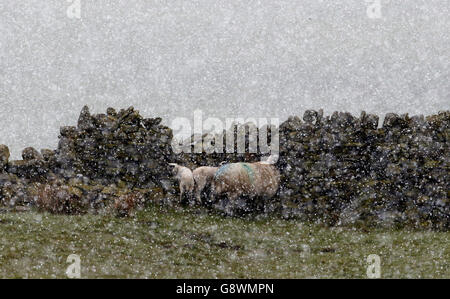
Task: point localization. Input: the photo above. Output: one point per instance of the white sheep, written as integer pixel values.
(185, 179)
(252, 179)
(203, 177)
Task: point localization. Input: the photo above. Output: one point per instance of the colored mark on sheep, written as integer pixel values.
(249, 171)
(221, 170)
(246, 166)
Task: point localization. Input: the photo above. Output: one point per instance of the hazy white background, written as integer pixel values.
(229, 58)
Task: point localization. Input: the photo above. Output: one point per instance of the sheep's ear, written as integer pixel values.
(173, 164)
(272, 159)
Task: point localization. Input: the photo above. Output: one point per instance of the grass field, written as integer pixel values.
(190, 243)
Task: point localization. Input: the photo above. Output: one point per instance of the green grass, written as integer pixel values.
(189, 243)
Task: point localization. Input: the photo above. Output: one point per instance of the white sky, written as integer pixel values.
(228, 58)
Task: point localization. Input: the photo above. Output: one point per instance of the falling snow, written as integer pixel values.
(361, 93)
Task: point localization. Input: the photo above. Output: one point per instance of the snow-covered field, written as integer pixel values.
(190, 243)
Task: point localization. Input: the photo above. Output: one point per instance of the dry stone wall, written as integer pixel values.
(336, 169)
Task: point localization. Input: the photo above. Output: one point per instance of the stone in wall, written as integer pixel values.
(4, 157)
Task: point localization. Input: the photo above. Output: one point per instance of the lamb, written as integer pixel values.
(185, 179)
(203, 177)
(252, 179)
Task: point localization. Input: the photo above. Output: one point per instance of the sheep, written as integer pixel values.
(203, 177)
(185, 179)
(252, 179)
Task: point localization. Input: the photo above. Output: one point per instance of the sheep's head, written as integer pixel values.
(272, 159)
(174, 168)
